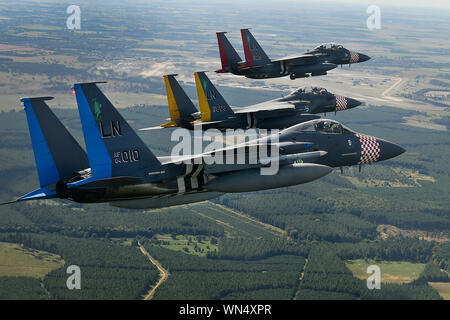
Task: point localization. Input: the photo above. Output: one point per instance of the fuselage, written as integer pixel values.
(301, 105)
(282, 68)
(337, 54)
(314, 62)
(188, 182)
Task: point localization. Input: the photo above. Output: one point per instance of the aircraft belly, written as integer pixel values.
(271, 70)
(165, 201)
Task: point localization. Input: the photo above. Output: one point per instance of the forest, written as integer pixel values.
(257, 234)
(203, 278)
(327, 277)
(109, 271)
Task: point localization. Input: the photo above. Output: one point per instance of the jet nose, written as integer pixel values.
(363, 57)
(352, 103)
(389, 150)
(356, 57)
(342, 103)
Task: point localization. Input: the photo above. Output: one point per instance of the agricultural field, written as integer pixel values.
(200, 246)
(443, 288)
(391, 271)
(17, 261)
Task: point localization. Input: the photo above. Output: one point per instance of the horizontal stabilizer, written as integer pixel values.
(39, 194)
(171, 124)
(111, 182)
(37, 99)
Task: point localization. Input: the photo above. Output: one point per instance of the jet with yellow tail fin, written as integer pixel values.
(182, 110)
(301, 105)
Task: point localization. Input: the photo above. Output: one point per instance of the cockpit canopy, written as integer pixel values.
(323, 126)
(328, 126)
(330, 46)
(310, 90)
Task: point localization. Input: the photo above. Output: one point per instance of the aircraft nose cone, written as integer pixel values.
(363, 57)
(389, 150)
(343, 103)
(352, 103)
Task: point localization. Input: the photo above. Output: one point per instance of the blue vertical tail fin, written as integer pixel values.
(57, 154)
(113, 147)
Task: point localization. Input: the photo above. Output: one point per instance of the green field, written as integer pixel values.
(16, 261)
(443, 288)
(234, 224)
(391, 271)
(193, 245)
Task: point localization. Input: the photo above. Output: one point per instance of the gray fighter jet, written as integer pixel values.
(299, 106)
(258, 65)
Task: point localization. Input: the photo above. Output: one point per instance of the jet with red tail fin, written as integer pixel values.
(258, 65)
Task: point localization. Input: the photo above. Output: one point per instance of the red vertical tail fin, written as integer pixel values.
(254, 54)
(228, 55)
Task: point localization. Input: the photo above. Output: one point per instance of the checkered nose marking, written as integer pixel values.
(341, 103)
(370, 149)
(354, 57)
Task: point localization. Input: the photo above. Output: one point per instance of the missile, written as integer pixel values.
(294, 157)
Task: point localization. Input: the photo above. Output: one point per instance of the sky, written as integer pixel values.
(406, 3)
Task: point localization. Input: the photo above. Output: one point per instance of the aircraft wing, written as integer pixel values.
(199, 122)
(245, 67)
(267, 106)
(200, 158)
(304, 59)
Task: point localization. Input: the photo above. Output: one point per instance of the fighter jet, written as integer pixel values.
(347, 149)
(299, 106)
(120, 169)
(321, 141)
(258, 65)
